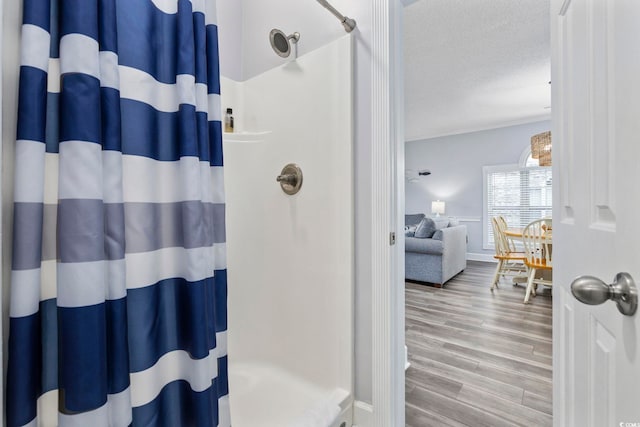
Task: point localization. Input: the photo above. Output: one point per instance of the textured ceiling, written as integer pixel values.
(475, 64)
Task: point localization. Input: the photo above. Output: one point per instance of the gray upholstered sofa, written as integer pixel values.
(435, 248)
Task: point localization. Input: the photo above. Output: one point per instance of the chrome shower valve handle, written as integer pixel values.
(290, 179)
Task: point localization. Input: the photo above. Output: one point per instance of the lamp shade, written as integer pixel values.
(541, 148)
(437, 207)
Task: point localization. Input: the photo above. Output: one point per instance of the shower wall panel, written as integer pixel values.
(291, 258)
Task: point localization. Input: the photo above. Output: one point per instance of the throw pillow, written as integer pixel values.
(425, 229)
(453, 222)
(410, 230)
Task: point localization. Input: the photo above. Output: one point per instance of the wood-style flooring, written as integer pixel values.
(477, 358)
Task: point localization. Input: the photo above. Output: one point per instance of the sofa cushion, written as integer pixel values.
(441, 222)
(425, 229)
(453, 222)
(413, 219)
(427, 246)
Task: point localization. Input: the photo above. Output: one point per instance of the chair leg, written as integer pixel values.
(496, 276)
(532, 275)
(534, 291)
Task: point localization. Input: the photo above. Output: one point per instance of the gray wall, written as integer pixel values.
(456, 163)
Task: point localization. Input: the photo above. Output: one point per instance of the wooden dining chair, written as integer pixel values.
(511, 244)
(510, 262)
(502, 222)
(538, 248)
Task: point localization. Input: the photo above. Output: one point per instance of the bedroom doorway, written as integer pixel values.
(476, 91)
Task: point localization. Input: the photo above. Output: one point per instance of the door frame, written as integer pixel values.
(387, 210)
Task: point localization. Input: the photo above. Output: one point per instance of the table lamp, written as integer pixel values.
(437, 208)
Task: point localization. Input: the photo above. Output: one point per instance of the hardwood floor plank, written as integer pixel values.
(525, 328)
(453, 335)
(520, 333)
(415, 337)
(488, 385)
(506, 409)
(499, 320)
(512, 362)
(538, 402)
(480, 347)
(477, 357)
(511, 335)
(431, 380)
(484, 311)
(424, 317)
(490, 322)
(534, 384)
(454, 409)
(419, 417)
(438, 354)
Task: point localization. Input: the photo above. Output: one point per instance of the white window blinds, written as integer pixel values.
(520, 195)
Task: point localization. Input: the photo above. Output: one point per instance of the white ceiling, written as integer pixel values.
(475, 64)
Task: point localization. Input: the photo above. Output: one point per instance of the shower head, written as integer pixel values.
(280, 42)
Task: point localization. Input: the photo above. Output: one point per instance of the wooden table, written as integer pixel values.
(516, 234)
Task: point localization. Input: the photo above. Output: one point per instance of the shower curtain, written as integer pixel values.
(118, 289)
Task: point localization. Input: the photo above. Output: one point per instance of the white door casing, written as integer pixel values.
(387, 174)
(596, 168)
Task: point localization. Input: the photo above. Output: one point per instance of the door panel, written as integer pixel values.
(596, 158)
(601, 106)
(603, 380)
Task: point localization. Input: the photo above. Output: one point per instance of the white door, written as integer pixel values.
(596, 160)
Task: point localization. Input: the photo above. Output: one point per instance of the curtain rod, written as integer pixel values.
(348, 23)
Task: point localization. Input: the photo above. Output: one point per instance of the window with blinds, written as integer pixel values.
(520, 195)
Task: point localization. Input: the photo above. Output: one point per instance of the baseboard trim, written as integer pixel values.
(480, 257)
(362, 414)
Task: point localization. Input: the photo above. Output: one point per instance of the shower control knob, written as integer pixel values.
(290, 178)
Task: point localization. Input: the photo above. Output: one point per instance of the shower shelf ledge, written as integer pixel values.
(245, 136)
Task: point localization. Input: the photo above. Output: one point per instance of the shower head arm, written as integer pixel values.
(348, 23)
(294, 37)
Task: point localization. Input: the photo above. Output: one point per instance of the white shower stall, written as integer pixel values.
(291, 257)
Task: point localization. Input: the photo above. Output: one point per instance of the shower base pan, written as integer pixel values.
(263, 395)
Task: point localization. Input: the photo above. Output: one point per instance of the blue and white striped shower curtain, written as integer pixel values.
(118, 293)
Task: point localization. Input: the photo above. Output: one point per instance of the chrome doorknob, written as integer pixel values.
(593, 291)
